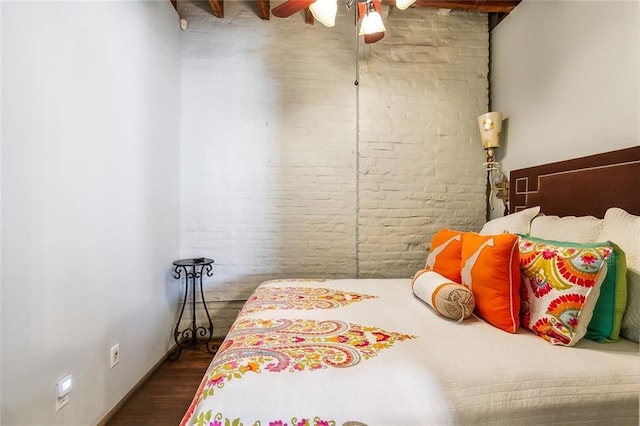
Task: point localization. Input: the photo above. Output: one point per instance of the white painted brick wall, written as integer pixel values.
(290, 170)
(425, 84)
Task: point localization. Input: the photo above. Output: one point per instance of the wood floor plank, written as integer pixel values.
(165, 396)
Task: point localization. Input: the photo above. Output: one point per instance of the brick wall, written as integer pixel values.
(420, 158)
(290, 170)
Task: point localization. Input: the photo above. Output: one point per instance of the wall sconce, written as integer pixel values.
(501, 189)
(490, 125)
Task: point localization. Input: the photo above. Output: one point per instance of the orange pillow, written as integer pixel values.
(490, 268)
(445, 254)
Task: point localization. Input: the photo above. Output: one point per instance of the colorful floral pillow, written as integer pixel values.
(560, 287)
(490, 270)
(445, 254)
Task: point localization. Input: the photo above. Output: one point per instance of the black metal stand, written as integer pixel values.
(191, 336)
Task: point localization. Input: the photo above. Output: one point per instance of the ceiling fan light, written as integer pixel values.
(403, 4)
(325, 11)
(372, 23)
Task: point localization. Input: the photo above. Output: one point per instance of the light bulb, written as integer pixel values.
(403, 4)
(325, 11)
(372, 21)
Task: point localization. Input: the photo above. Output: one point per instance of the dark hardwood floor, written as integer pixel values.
(165, 396)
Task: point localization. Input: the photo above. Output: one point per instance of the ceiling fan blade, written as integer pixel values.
(290, 7)
(373, 38)
(362, 9)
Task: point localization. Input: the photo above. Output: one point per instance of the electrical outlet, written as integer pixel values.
(115, 354)
(63, 387)
(61, 402)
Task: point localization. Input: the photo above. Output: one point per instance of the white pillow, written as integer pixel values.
(581, 229)
(514, 223)
(449, 299)
(623, 229)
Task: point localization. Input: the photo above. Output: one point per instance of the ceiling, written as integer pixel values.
(497, 8)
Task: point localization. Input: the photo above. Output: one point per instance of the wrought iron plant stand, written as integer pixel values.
(193, 270)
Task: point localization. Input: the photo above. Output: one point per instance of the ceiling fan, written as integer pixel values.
(369, 12)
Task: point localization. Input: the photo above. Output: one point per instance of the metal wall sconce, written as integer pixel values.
(502, 192)
(490, 126)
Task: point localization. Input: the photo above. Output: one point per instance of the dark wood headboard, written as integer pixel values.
(581, 186)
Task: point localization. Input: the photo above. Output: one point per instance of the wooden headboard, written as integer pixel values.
(580, 187)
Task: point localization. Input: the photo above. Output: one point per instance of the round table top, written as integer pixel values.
(194, 261)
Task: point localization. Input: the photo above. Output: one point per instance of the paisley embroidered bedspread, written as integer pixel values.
(367, 352)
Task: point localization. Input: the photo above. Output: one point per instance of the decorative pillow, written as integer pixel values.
(490, 270)
(449, 299)
(581, 229)
(623, 229)
(612, 301)
(561, 284)
(514, 223)
(445, 254)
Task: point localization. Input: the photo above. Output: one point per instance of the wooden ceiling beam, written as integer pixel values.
(264, 9)
(217, 8)
(488, 6)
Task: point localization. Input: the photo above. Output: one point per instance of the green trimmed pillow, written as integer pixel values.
(561, 284)
(612, 301)
(623, 229)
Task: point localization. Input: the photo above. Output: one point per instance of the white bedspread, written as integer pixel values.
(369, 351)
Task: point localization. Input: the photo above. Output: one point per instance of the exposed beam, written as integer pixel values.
(217, 8)
(264, 9)
(488, 6)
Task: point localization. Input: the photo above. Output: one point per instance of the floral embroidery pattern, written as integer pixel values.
(204, 419)
(296, 280)
(539, 284)
(267, 298)
(557, 282)
(257, 345)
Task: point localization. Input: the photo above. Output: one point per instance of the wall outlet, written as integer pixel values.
(114, 355)
(63, 387)
(61, 401)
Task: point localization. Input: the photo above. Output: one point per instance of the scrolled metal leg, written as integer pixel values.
(185, 335)
(204, 304)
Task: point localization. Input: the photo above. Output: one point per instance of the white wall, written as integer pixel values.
(90, 201)
(566, 75)
(0, 208)
(289, 170)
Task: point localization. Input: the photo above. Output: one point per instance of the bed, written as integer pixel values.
(372, 352)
